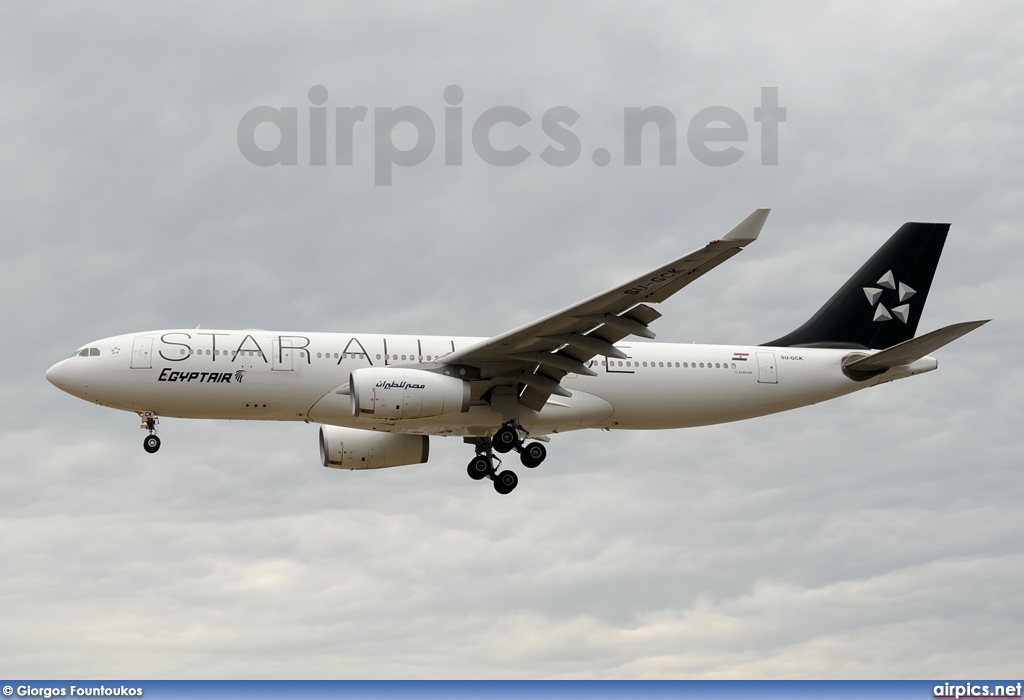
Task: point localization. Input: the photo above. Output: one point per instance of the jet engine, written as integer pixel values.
(349, 448)
(387, 393)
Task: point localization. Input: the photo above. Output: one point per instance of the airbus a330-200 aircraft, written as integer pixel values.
(378, 398)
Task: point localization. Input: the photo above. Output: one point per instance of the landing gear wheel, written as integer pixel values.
(505, 482)
(505, 439)
(479, 468)
(533, 454)
(151, 444)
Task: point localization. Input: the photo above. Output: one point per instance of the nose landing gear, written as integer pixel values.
(151, 443)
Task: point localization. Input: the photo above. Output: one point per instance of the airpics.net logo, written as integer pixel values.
(971, 690)
(715, 135)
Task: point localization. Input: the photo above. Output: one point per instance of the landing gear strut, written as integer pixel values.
(508, 437)
(151, 443)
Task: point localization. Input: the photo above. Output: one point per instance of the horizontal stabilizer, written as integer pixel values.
(914, 349)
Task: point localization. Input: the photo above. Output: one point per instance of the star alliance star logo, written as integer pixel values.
(904, 292)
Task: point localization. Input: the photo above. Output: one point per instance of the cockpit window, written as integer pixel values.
(87, 352)
(84, 353)
(94, 352)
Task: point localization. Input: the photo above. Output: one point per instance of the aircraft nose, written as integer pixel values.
(57, 375)
(71, 377)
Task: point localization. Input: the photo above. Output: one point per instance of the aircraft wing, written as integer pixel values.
(535, 357)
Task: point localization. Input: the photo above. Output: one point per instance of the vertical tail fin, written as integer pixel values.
(881, 304)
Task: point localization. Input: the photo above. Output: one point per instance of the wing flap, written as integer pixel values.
(558, 361)
(643, 313)
(533, 398)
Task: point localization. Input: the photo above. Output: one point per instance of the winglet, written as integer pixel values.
(747, 230)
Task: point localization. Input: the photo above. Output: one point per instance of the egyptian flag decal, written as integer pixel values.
(740, 356)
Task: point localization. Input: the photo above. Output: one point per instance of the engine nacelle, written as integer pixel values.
(392, 393)
(349, 448)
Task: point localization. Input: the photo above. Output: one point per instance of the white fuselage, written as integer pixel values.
(263, 375)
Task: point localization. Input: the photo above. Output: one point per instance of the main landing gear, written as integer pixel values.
(482, 466)
(507, 438)
(151, 443)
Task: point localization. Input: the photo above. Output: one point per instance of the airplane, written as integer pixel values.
(379, 398)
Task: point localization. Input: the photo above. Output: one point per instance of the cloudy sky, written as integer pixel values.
(879, 535)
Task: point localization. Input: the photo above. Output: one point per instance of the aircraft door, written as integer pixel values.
(766, 373)
(142, 353)
(282, 356)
